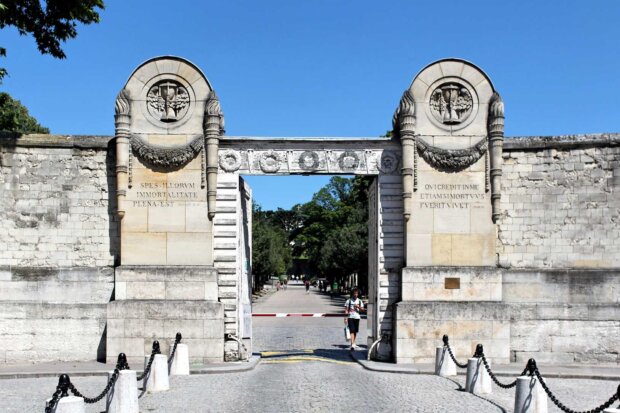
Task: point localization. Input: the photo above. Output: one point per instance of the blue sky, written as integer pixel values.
(332, 68)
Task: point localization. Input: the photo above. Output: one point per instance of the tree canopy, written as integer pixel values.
(329, 233)
(50, 22)
(14, 117)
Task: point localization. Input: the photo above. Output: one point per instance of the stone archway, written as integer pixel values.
(378, 157)
(435, 203)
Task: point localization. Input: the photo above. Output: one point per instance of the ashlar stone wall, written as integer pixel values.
(560, 202)
(55, 205)
(58, 246)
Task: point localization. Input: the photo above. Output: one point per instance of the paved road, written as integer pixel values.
(301, 333)
(306, 370)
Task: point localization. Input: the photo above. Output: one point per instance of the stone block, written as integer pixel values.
(143, 248)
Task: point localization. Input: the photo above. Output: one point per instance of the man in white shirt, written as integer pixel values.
(352, 308)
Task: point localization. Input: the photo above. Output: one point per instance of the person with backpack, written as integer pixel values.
(352, 308)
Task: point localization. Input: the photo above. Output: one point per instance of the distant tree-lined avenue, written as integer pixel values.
(326, 237)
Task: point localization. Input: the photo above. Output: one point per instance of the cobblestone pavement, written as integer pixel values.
(297, 333)
(308, 373)
(304, 386)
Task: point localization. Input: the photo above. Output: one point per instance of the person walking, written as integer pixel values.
(307, 287)
(352, 308)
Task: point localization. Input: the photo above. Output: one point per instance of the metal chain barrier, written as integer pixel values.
(62, 390)
(65, 385)
(177, 340)
(533, 370)
(447, 346)
(480, 354)
(147, 370)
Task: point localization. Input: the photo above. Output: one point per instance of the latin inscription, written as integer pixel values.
(450, 196)
(164, 194)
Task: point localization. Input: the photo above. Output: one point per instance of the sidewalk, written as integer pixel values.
(576, 371)
(93, 368)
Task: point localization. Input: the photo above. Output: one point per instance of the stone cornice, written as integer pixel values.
(516, 143)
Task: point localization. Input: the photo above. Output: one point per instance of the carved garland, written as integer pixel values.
(451, 160)
(166, 157)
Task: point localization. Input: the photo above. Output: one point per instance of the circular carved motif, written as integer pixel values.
(168, 101)
(451, 103)
(388, 162)
(348, 160)
(270, 162)
(309, 160)
(230, 161)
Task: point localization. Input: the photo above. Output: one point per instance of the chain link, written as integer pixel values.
(495, 379)
(147, 370)
(534, 370)
(51, 406)
(105, 391)
(177, 340)
(447, 346)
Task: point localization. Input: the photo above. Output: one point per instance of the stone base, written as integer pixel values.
(420, 327)
(133, 325)
(452, 284)
(510, 332)
(165, 282)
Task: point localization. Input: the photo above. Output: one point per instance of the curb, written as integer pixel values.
(234, 367)
(410, 369)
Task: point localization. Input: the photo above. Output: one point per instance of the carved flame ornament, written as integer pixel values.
(166, 157)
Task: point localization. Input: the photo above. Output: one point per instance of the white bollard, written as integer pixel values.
(530, 397)
(157, 379)
(478, 380)
(123, 397)
(180, 362)
(444, 366)
(69, 404)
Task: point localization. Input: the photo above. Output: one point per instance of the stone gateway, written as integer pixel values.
(508, 241)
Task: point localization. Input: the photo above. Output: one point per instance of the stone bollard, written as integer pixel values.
(478, 380)
(123, 397)
(69, 404)
(180, 362)
(444, 366)
(157, 379)
(530, 397)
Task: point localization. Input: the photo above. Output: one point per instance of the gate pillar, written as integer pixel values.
(450, 123)
(168, 123)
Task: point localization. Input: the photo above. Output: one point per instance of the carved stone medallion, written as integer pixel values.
(309, 161)
(167, 101)
(270, 162)
(388, 163)
(230, 161)
(348, 160)
(451, 103)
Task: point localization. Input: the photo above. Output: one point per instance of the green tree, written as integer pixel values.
(271, 252)
(50, 22)
(14, 117)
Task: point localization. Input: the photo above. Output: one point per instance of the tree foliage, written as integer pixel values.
(330, 232)
(50, 22)
(14, 117)
(271, 252)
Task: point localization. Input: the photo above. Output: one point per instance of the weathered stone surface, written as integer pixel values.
(142, 321)
(559, 209)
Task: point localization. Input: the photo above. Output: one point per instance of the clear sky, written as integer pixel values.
(332, 68)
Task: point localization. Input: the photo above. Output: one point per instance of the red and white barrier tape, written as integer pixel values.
(315, 315)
